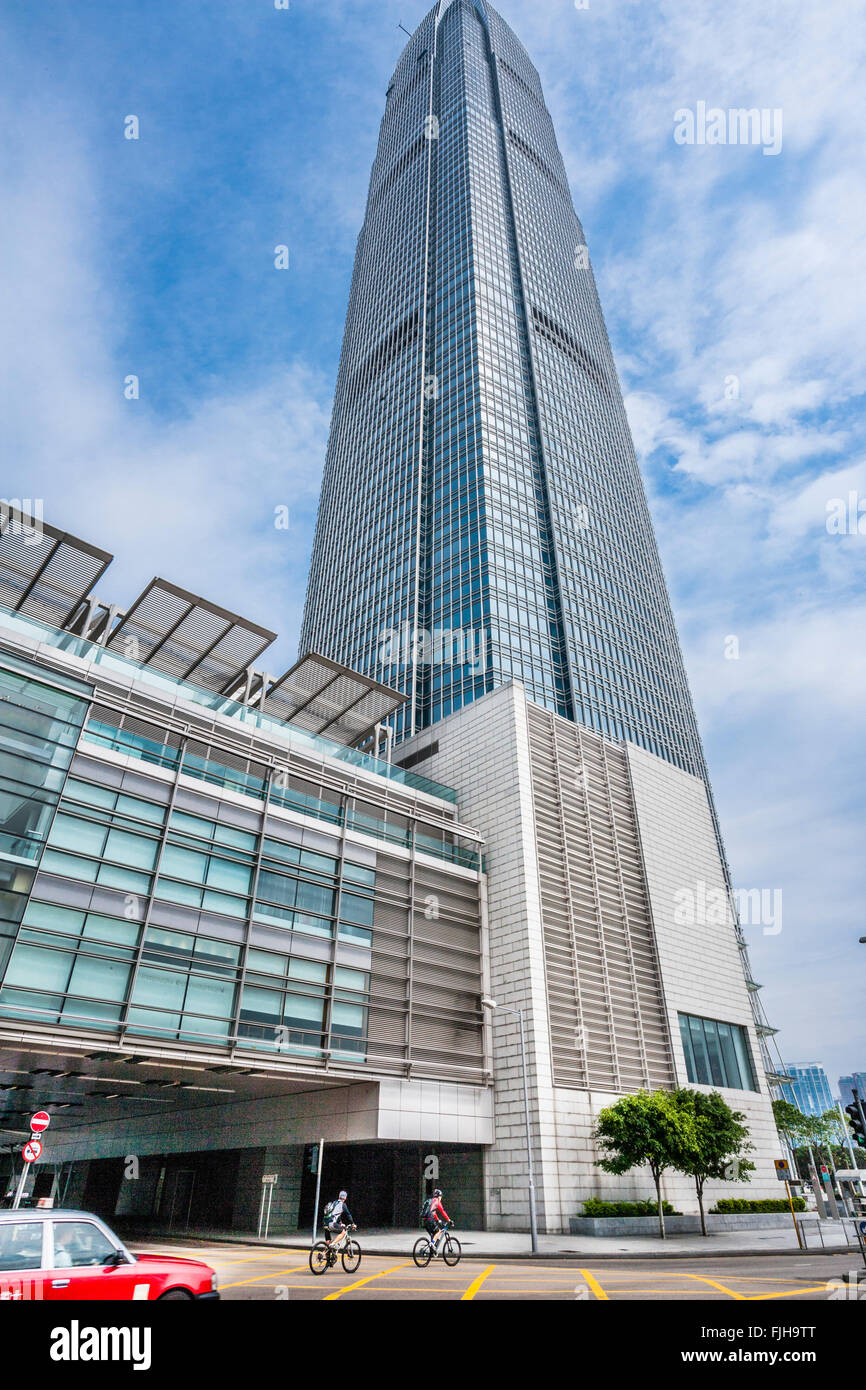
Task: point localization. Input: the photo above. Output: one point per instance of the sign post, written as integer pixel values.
(269, 1182)
(30, 1153)
(318, 1188)
(783, 1173)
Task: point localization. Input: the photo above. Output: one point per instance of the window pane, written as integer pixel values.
(184, 893)
(221, 902)
(261, 1005)
(78, 1244)
(359, 875)
(312, 970)
(702, 1065)
(142, 810)
(21, 1246)
(99, 979)
(36, 968)
(83, 836)
(206, 996)
(114, 877)
(164, 987)
(357, 909)
(53, 918)
(94, 796)
(714, 1053)
(729, 1058)
(277, 888)
(314, 898)
(267, 963)
(69, 865)
(303, 1010)
(111, 929)
(240, 839)
(133, 850)
(223, 873)
(193, 825)
(184, 863)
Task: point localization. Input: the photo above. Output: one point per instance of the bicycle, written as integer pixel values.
(324, 1256)
(448, 1246)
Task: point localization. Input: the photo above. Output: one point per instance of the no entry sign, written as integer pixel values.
(32, 1150)
(39, 1122)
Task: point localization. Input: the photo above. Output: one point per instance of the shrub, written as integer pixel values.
(594, 1207)
(737, 1205)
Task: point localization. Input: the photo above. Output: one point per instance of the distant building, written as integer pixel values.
(848, 1084)
(810, 1089)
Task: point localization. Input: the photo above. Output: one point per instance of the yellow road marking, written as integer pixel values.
(787, 1293)
(595, 1285)
(476, 1283)
(370, 1277)
(256, 1277)
(712, 1283)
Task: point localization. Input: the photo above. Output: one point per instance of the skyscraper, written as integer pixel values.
(481, 477)
(483, 518)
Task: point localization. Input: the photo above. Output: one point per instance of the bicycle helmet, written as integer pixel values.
(343, 1196)
(437, 1192)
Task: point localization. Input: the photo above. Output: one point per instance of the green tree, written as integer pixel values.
(718, 1144)
(644, 1129)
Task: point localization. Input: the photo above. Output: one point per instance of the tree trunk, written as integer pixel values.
(658, 1183)
(700, 1190)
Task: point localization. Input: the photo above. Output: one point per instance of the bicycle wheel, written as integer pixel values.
(451, 1251)
(422, 1253)
(319, 1257)
(351, 1256)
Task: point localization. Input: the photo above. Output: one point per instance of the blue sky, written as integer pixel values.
(258, 127)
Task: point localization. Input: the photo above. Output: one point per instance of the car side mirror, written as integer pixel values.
(116, 1258)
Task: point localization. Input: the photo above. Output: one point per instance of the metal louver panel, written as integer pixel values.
(323, 697)
(607, 1019)
(45, 573)
(185, 636)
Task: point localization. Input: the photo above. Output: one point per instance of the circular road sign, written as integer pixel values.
(32, 1150)
(39, 1122)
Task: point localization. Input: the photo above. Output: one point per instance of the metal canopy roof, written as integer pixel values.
(188, 638)
(319, 695)
(45, 573)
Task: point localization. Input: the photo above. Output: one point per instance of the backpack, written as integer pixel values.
(331, 1211)
(426, 1209)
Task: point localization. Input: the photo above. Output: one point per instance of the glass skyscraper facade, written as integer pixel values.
(481, 489)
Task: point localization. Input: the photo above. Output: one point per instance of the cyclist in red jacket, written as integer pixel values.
(437, 1217)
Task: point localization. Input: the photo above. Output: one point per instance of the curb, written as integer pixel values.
(471, 1253)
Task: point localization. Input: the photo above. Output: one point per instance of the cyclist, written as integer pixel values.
(437, 1217)
(335, 1212)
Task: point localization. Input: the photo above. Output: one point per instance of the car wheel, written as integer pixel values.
(175, 1294)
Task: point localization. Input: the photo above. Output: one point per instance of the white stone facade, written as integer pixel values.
(484, 753)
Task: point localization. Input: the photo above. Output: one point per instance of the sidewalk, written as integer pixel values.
(505, 1245)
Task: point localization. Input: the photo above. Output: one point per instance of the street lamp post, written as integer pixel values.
(487, 1003)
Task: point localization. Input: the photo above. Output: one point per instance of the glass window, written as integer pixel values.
(114, 877)
(267, 963)
(86, 791)
(224, 873)
(53, 918)
(141, 810)
(716, 1054)
(35, 967)
(322, 863)
(80, 1243)
(314, 897)
(21, 1245)
(69, 865)
(358, 874)
(68, 832)
(275, 849)
(193, 825)
(239, 839)
(99, 979)
(207, 996)
(221, 902)
(360, 936)
(160, 987)
(357, 909)
(132, 850)
(261, 1005)
(313, 970)
(184, 863)
(110, 929)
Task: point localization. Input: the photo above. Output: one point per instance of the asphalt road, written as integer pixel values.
(252, 1272)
